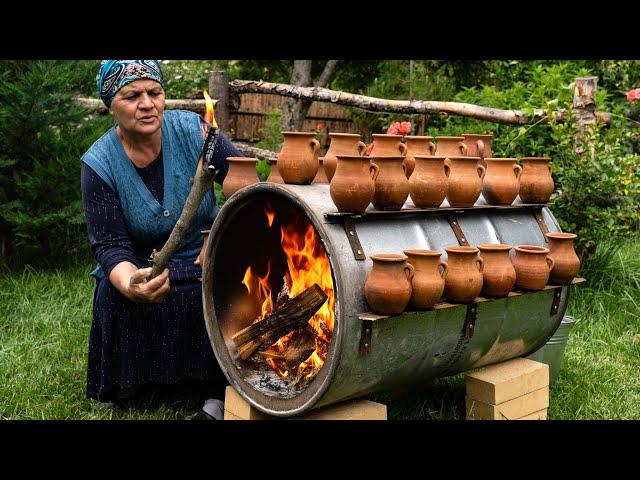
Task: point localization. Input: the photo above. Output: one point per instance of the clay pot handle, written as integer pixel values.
(432, 149)
(403, 149)
(480, 145)
(550, 171)
(445, 268)
(447, 167)
(481, 170)
(409, 271)
(480, 263)
(404, 169)
(550, 262)
(463, 148)
(374, 170)
(517, 169)
(315, 145)
(361, 148)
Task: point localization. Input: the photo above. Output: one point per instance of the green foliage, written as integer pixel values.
(188, 78)
(597, 196)
(43, 133)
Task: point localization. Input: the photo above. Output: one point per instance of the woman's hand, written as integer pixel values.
(148, 291)
(133, 283)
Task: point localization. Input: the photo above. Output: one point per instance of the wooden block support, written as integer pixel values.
(496, 384)
(509, 410)
(236, 408)
(539, 415)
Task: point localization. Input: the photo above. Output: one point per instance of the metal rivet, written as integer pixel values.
(454, 223)
(367, 331)
(351, 232)
(166, 213)
(359, 252)
(462, 238)
(366, 344)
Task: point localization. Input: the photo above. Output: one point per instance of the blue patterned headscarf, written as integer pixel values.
(115, 74)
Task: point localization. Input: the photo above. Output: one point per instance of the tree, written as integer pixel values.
(295, 111)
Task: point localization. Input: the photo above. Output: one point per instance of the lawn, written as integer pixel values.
(45, 316)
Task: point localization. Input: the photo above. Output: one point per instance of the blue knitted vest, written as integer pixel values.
(144, 216)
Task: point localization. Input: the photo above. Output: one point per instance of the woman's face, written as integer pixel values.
(138, 107)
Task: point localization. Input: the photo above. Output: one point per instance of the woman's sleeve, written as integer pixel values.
(108, 235)
(224, 149)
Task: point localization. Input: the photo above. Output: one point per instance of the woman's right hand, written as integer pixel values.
(148, 291)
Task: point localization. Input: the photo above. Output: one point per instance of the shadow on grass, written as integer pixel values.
(441, 399)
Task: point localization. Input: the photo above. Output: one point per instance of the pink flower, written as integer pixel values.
(404, 128)
(319, 126)
(393, 128)
(368, 150)
(633, 95)
(399, 128)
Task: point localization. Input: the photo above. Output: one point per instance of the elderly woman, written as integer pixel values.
(135, 180)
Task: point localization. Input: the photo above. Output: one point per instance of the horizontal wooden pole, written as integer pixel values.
(373, 104)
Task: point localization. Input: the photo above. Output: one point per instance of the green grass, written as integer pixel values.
(45, 318)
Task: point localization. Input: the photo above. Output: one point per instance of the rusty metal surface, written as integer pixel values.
(405, 349)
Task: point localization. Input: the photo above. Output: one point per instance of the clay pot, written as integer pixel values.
(464, 274)
(417, 145)
(428, 279)
(274, 175)
(298, 158)
(392, 186)
(388, 287)
(478, 146)
(385, 145)
(498, 275)
(501, 181)
(353, 185)
(321, 176)
(242, 173)
(532, 267)
(536, 182)
(429, 181)
(200, 258)
(565, 261)
(465, 180)
(341, 144)
(450, 146)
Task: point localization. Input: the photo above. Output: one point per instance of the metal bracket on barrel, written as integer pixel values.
(354, 241)
(541, 223)
(457, 231)
(555, 304)
(470, 320)
(367, 320)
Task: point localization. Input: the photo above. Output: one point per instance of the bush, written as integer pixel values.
(43, 133)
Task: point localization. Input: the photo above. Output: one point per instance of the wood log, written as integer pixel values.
(219, 87)
(373, 104)
(584, 107)
(295, 311)
(256, 152)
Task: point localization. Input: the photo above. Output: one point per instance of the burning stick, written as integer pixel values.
(293, 313)
(203, 182)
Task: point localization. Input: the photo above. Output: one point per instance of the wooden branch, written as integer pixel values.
(203, 182)
(294, 311)
(197, 106)
(327, 73)
(256, 152)
(373, 104)
(584, 107)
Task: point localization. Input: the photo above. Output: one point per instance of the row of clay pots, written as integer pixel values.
(420, 278)
(381, 180)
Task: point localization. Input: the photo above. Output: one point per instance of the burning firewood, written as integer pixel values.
(293, 313)
(301, 346)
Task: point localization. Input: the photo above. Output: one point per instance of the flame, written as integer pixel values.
(209, 116)
(307, 263)
(270, 215)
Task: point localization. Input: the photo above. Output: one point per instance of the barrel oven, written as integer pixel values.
(270, 241)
